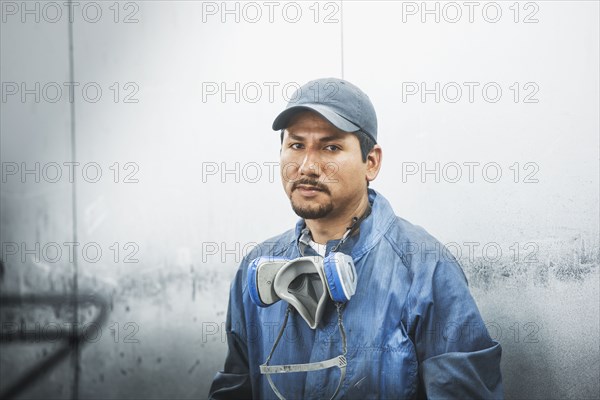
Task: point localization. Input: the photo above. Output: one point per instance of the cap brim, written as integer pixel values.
(334, 118)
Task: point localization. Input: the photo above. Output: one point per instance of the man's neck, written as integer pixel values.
(324, 229)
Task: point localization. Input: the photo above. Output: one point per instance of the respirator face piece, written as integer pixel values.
(305, 282)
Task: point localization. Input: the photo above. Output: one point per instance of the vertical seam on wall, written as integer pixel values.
(342, 35)
(2, 260)
(75, 358)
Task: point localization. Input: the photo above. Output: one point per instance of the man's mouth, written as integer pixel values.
(308, 190)
(308, 187)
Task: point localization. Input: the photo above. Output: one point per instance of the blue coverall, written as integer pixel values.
(413, 329)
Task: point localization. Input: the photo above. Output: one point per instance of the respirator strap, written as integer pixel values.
(339, 361)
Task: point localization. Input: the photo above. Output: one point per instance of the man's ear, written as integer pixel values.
(374, 159)
(281, 141)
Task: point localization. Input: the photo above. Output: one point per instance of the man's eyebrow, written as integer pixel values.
(330, 138)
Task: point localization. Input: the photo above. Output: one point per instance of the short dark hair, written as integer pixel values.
(366, 143)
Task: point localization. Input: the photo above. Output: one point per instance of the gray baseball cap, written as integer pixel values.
(338, 101)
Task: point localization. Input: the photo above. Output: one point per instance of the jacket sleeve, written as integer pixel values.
(457, 357)
(233, 382)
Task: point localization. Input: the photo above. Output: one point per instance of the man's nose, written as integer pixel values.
(310, 164)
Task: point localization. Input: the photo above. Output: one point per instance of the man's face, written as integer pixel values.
(321, 167)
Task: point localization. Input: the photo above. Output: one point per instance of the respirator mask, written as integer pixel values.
(305, 283)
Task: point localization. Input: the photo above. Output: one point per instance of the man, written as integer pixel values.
(411, 329)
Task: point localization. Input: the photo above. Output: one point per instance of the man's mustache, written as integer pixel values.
(309, 182)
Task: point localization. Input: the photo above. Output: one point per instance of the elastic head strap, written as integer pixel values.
(339, 361)
(355, 223)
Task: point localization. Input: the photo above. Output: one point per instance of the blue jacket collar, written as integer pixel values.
(370, 231)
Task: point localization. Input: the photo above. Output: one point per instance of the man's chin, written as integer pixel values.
(311, 211)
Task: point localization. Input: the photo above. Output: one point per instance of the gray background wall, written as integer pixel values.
(173, 223)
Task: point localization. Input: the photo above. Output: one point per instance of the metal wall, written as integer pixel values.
(138, 166)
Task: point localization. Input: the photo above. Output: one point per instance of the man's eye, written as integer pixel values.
(296, 145)
(332, 147)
